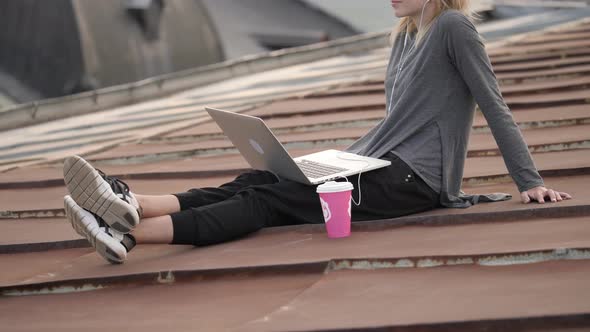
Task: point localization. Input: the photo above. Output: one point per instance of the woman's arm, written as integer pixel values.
(467, 53)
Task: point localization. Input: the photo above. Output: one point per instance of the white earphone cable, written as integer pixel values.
(339, 156)
(402, 58)
(399, 69)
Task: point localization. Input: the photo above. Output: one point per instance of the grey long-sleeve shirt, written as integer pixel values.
(432, 108)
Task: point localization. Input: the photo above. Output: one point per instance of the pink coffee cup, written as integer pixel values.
(335, 199)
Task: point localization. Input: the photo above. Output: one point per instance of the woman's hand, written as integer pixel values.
(540, 193)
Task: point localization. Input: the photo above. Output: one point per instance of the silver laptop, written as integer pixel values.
(259, 146)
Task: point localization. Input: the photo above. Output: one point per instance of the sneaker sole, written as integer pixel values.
(91, 192)
(85, 224)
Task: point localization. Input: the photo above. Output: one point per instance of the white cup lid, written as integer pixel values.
(334, 187)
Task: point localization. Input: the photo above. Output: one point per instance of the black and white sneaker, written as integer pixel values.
(107, 197)
(110, 244)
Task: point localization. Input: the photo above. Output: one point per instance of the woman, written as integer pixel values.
(438, 70)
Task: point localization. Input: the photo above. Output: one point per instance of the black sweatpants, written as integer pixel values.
(258, 199)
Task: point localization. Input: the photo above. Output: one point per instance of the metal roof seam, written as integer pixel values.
(496, 260)
(519, 215)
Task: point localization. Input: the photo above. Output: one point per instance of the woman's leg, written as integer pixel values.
(156, 206)
(156, 223)
(162, 205)
(386, 193)
(390, 192)
(104, 211)
(155, 230)
(198, 197)
(250, 209)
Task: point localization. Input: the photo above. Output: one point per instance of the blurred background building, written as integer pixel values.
(60, 47)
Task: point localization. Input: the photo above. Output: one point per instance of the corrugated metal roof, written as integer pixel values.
(502, 266)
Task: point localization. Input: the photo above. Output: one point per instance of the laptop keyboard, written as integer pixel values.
(313, 169)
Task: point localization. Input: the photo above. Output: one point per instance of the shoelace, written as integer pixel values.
(119, 187)
(128, 240)
(101, 222)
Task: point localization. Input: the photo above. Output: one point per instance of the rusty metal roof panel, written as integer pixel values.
(446, 294)
(292, 302)
(478, 168)
(387, 240)
(504, 265)
(490, 182)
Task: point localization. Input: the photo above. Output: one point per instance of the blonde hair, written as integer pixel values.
(406, 24)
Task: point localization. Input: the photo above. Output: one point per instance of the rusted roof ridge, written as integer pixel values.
(45, 213)
(525, 125)
(320, 111)
(536, 148)
(217, 148)
(184, 138)
(309, 125)
(342, 140)
(578, 25)
(467, 218)
(560, 115)
(128, 176)
(577, 80)
(327, 266)
(199, 174)
(488, 259)
(569, 97)
(522, 49)
(552, 63)
(367, 102)
(281, 126)
(480, 144)
(71, 133)
(556, 323)
(506, 86)
(19, 248)
(223, 146)
(311, 146)
(159, 277)
(569, 83)
(505, 59)
(531, 214)
(546, 173)
(545, 74)
(581, 26)
(13, 154)
(544, 118)
(343, 92)
(348, 130)
(550, 37)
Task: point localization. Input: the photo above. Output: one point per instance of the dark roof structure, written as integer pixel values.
(501, 266)
(255, 26)
(63, 47)
(58, 47)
